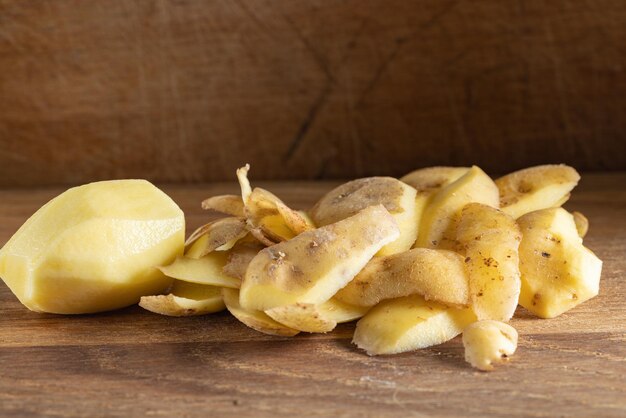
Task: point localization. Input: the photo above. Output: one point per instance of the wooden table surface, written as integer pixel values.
(135, 363)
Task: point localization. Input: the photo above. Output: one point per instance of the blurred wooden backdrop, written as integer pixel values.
(187, 90)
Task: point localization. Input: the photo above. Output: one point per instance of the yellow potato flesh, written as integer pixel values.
(93, 248)
(407, 324)
(438, 225)
(207, 270)
(185, 299)
(314, 265)
(558, 272)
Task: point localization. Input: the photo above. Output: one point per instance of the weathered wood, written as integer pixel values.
(134, 363)
(189, 90)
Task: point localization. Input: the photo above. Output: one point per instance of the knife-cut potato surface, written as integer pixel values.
(437, 228)
(407, 324)
(257, 320)
(488, 342)
(207, 270)
(535, 188)
(185, 299)
(437, 275)
(558, 272)
(219, 235)
(94, 247)
(349, 198)
(490, 240)
(314, 265)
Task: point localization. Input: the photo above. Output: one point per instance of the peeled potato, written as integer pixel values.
(407, 324)
(490, 240)
(185, 299)
(93, 248)
(535, 188)
(268, 218)
(316, 318)
(314, 265)
(257, 320)
(228, 204)
(558, 272)
(207, 270)
(437, 275)
(488, 342)
(349, 198)
(219, 235)
(438, 225)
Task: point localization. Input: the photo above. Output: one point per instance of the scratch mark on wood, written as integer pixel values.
(307, 122)
(400, 42)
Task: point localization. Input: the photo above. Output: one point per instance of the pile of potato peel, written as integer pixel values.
(417, 260)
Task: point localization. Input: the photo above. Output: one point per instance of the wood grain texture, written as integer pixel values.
(185, 90)
(134, 363)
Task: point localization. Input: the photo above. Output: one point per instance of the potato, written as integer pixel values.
(207, 270)
(219, 235)
(239, 258)
(314, 265)
(431, 179)
(535, 188)
(268, 218)
(228, 204)
(558, 272)
(427, 181)
(316, 318)
(582, 223)
(93, 248)
(437, 275)
(305, 317)
(185, 299)
(349, 198)
(490, 240)
(488, 342)
(257, 320)
(438, 225)
(407, 324)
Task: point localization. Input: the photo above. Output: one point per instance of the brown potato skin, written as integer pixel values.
(437, 275)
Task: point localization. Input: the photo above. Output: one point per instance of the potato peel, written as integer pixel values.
(269, 219)
(254, 319)
(228, 204)
(185, 299)
(220, 235)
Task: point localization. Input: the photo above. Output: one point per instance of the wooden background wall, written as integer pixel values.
(175, 90)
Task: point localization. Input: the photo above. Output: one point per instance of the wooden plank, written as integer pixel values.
(189, 90)
(134, 363)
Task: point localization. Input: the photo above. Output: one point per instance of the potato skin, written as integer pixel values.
(313, 266)
(438, 275)
(488, 342)
(490, 239)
